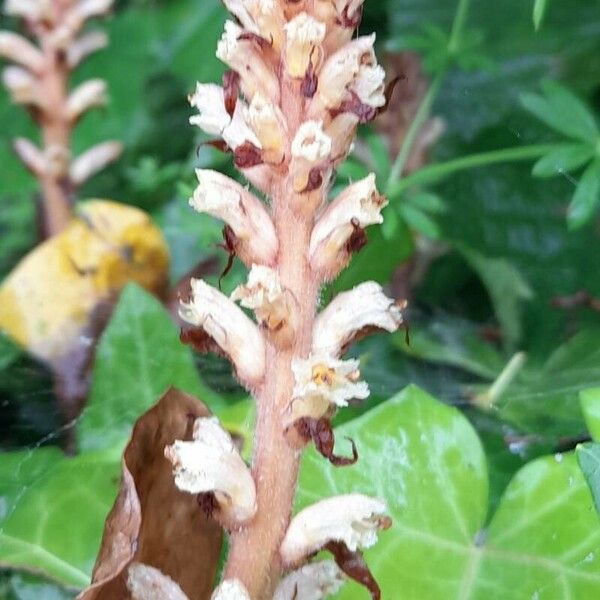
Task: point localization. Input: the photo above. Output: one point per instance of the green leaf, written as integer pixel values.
(561, 110)
(9, 352)
(590, 406)
(543, 541)
(419, 221)
(138, 358)
(452, 341)
(54, 510)
(30, 587)
(587, 197)
(507, 289)
(539, 10)
(588, 456)
(564, 159)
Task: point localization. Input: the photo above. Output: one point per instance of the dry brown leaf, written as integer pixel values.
(152, 522)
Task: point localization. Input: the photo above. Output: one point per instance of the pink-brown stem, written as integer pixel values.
(254, 558)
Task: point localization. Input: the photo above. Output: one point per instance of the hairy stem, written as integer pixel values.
(253, 557)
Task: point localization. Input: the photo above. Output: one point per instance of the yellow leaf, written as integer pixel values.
(46, 300)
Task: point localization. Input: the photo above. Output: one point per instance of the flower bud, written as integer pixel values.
(331, 242)
(147, 583)
(20, 50)
(352, 519)
(224, 198)
(350, 314)
(211, 464)
(89, 94)
(22, 86)
(265, 295)
(244, 54)
(31, 156)
(231, 589)
(236, 335)
(94, 160)
(304, 35)
(87, 44)
(311, 149)
(314, 581)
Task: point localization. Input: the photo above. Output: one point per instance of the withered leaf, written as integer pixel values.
(152, 522)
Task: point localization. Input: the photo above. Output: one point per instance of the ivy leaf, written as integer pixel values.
(53, 511)
(562, 111)
(587, 197)
(543, 542)
(588, 456)
(564, 159)
(539, 10)
(139, 356)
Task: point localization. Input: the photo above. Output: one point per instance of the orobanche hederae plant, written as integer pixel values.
(299, 84)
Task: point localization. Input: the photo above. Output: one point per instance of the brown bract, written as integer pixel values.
(152, 522)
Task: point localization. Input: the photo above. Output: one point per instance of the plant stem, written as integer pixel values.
(433, 173)
(253, 557)
(425, 107)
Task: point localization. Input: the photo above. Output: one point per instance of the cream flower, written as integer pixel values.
(313, 581)
(341, 69)
(242, 55)
(212, 464)
(264, 294)
(364, 307)
(348, 7)
(93, 160)
(303, 34)
(311, 143)
(261, 17)
(266, 121)
(334, 381)
(20, 50)
(359, 205)
(31, 156)
(238, 132)
(209, 99)
(88, 95)
(33, 10)
(23, 86)
(147, 583)
(353, 519)
(86, 44)
(231, 589)
(229, 327)
(227, 200)
(369, 85)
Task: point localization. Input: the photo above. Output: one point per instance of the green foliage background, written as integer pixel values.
(488, 499)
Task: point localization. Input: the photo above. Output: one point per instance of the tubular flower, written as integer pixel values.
(311, 149)
(23, 87)
(244, 213)
(264, 294)
(352, 519)
(323, 381)
(20, 50)
(211, 464)
(260, 17)
(267, 123)
(147, 583)
(304, 34)
(350, 314)
(243, 53)
(342, 68)
(313, 581)
(89, 94)
(339, 228)
(231, 589)
(235, 334)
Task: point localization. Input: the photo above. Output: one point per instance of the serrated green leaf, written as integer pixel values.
(138, 358)
(588, 457)
(587, 197)
(543, 541)
(539, 10)
(53, 523)
(564, 159)
(590, 406)
(561, 110)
